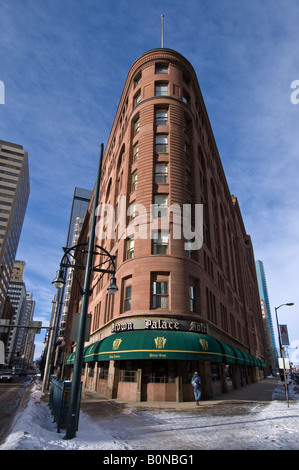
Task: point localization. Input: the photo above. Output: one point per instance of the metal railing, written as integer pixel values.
(59, 401)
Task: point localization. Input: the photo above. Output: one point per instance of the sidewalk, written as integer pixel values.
(100, 407)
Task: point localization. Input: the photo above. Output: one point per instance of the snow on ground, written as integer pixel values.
(273, 426)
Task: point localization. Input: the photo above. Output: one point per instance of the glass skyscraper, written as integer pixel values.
(263, 291)
(80, 204)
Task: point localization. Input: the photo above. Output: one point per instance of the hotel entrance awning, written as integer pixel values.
(183, 345)
(160, 344)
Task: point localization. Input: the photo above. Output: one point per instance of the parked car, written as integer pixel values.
(20, 372)
(6, 376)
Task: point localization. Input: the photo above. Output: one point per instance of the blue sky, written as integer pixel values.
(64, 64)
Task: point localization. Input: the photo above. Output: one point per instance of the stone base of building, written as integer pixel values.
(165, 380)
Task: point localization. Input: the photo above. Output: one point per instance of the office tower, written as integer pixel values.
(80, 204)
(20, 346)
(17, 294)
(185, 302)
(266, 311)
(28, 338)
(69, 278)
(14, 194)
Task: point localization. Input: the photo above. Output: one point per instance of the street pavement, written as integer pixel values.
(97, 406)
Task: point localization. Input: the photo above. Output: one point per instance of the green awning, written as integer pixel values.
(156, 344)
(159, 344)
(254, 361)
(90, 353)
(70, 359)
(263, 364)
(239, 356)
(260, 363)
(228, 353)
(248, 359)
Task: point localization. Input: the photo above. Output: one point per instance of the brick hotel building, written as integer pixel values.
(177, 309)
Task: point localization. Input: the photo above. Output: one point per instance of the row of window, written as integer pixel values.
(159, 295)
(161, 146)
(161, 89)
(161, 119)
(161, 175)
(161, 86)
(160, 245)
(160, 299)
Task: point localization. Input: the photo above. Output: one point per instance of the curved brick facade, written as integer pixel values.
(161, 149)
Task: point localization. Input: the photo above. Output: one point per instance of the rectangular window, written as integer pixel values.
(161, 89)
(161, 141)
(127, 298)
(135, 152)
(160, 243)
(136, 126)
(134, 180)
(160, 208)
(211, 306)
(191, 298)
(137, 98)
(161, 173)
(161, 117)
(131, 211)
(127, 375)
(186, 97)
(130, 248)
(160, 294)
(161, 68)
(104, 371)
(137, 79)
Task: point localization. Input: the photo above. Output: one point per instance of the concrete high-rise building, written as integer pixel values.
(17, 294)
(20, 345)
(266, 311)
(14, 194)
(28, 338)
(186, 302)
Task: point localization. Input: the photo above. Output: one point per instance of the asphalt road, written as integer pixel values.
(11, 395)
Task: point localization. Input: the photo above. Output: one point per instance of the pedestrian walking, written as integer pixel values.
(196, 384)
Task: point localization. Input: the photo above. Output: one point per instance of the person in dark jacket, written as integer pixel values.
(196, 384)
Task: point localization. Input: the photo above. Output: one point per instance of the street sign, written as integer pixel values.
(286, 363)
(75, 327)
(284, 335)
(35, 327)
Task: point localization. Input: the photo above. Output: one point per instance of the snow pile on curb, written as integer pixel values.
(259, 427)
(34, 429)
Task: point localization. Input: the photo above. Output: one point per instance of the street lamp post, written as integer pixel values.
(51, 341)
(280, 348)
(74, 404)
(53, 328)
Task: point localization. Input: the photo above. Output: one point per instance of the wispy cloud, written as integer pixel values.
(64, 65)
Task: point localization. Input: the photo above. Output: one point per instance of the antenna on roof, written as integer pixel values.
(162, 18)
